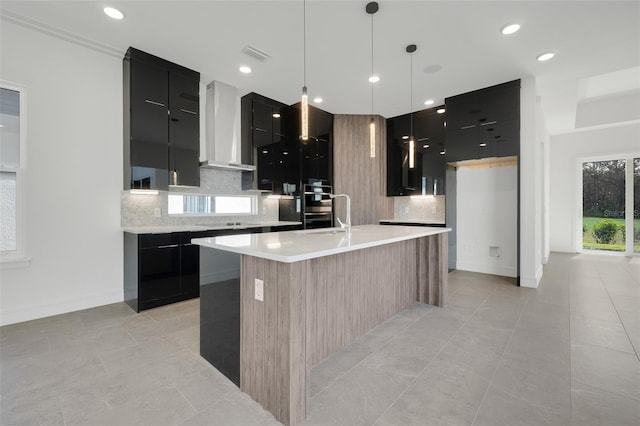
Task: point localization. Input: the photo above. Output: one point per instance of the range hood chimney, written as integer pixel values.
(223, 141)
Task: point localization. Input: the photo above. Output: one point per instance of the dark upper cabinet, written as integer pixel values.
(427, 175)
(484, 123)
(270, 133)
(264, 131)
(317, 152)
(161, 122)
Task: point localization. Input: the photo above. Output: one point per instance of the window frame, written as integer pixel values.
(18, 258)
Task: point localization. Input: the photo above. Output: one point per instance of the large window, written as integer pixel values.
(12, 162)
(610, 205)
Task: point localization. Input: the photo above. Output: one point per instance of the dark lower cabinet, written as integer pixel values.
(160, 269)
(220, 306)
(220, 326)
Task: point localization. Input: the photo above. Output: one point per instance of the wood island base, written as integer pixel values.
(314, 307)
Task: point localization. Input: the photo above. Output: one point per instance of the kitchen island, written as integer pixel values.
(320, 290)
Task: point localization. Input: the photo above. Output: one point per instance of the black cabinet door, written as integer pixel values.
(184, 143)
(462, 111)
(265, 167)
(503, 138)
(148, 109)
(288, 167)
(159, 271)
(149, 83)
(262, 124)
(462, 144)
(184, 93)
(189, 270)
(500, 103)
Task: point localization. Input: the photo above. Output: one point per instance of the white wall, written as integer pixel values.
(566, 150)
(532, 134)
(486, 215)
(73, 177)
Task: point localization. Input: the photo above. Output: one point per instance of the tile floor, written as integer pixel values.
(565, 353)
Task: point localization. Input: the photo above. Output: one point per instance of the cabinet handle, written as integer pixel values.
(188, 112)
(153, 102)
(488, 123)
(467, 127)
(168, 246)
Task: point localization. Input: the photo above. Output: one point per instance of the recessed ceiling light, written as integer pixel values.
(374, 79)
(276, 115)
(483, 144)
(545, 56)
(441, 111)
(428, 102)
(318, 100)
(425, 146)
(405, 137)
(442, 152)
(245, 69)
(432, 69)
(113, 13)
(510, 29)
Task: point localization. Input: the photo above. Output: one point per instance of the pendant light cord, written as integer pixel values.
(411, 94)
(304, 42)
(372, 63)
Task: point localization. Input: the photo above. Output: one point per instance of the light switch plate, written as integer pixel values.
(259, 291)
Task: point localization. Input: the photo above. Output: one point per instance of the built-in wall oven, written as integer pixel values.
(317, 205)
(313, 207)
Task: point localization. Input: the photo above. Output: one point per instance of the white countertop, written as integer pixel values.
(167, 229)
(421, 221)
(294, 246)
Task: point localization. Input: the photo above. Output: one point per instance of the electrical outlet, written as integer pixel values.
(157, 212)
(259, 292)
(406, 210)
(433, 210)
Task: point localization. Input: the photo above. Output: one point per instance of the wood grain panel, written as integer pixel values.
(356, 173)
(314, 307)
(432, 271)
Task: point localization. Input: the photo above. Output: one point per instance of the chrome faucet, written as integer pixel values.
(347, 225)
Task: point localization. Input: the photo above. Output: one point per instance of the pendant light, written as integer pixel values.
(412, 145)
(304, 104)
(372, 8)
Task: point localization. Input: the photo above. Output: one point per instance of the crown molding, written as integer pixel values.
(50, 30)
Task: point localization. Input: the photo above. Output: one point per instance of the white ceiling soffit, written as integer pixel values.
(460, 40)
(626, 80)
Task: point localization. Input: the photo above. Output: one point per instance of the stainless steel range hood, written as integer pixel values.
(223, 143)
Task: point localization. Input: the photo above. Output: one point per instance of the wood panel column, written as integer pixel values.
(433, 269)
(273, 367)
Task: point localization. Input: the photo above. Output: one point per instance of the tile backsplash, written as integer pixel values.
(139, 210)
(418, 208)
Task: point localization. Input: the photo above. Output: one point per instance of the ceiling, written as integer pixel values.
(590, 39)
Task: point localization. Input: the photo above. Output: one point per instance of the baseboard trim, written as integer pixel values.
(487, 269)
(532, 282)
(57, 307)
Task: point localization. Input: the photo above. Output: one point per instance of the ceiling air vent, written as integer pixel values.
(256, 53)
